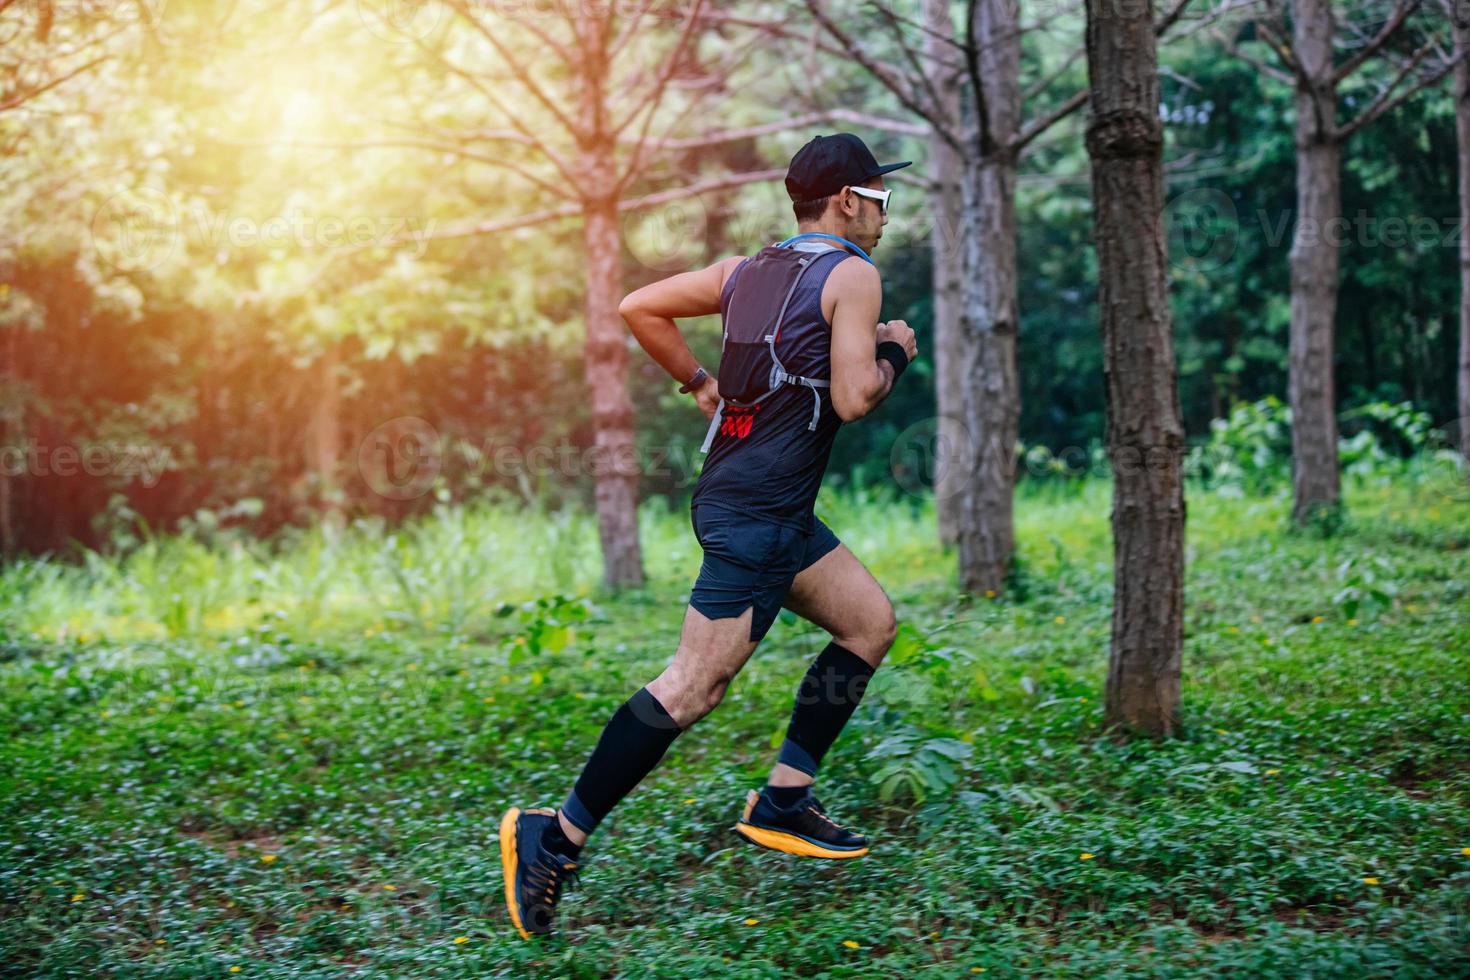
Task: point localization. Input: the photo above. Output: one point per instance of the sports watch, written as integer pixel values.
(694, 382)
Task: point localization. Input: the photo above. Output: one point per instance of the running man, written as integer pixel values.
(763, 545)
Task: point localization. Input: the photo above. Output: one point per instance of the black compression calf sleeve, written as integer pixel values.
(632, 743)
(829, 694)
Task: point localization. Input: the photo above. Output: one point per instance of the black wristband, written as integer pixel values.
(892, 352)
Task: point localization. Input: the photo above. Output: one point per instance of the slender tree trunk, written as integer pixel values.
(324, 438)
(1314, 266)
(990, 388)
(1145, 437)
(945, 240)
(11, 426)
(606, 365)
(605, 354)
(992, 398)
(1460, 19)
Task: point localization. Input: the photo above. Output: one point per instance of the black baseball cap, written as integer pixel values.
(829, 163)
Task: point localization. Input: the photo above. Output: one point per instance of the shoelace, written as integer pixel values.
(548, 876)
(810, 803)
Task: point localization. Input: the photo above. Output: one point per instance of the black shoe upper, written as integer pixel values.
(541, 874)
(807, 818)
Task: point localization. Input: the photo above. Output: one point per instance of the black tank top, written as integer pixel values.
(767, 463)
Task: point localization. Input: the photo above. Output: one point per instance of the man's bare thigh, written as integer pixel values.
(711, 652)
(839, 594)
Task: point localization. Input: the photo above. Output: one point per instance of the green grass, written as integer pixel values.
(360, 706)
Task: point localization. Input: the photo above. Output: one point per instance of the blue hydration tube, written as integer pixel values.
(821, 234)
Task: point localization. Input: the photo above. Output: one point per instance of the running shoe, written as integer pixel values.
(804, 829)
(534, 875)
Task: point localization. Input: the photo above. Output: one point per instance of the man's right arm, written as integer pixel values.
(859, 381)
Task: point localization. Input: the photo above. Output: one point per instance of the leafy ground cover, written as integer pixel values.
(230, 758)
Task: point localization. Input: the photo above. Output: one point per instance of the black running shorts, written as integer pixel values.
(750, 562)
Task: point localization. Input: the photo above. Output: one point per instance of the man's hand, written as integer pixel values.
(707, 395)
(899, 332)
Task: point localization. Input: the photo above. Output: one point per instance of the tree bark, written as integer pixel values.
(11, 426)
(1460, 20)
(1314, 265)
(324, 437)
(1144, 434)
(945, 240)
(605, 361)
(991, 391)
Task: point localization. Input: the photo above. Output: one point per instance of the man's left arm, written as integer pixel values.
(650, 313)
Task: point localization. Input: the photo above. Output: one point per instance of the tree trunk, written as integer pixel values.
(1314, 266)
(324, 437)
(989, 387)
(945, 241)
(1144, 434)
(12, 409)
(991, 391)
(1460, 19)
(606, 365)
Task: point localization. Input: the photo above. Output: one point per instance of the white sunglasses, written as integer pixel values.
(880, 196)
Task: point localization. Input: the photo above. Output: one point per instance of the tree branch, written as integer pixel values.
(567, 55)
(1282, 49)
(1268, 70)
(522, 74)
(1035, 129)
(562, 166)
(655, 93)
(1079, 99)
(653, 100)
(908, 54)
(1043, 83)
(1379, 106)
(891, 80)
(572, 210)
(20, 98)
(628, 31)
(1401, 11)
(418, 144)
(977, 85)
(786, 125)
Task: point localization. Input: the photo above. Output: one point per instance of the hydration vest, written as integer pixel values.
(750, 368)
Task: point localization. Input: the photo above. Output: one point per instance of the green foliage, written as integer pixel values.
(359, 740)
(1367, 589)
(548, 626)
(912, 768)
(1248, 451)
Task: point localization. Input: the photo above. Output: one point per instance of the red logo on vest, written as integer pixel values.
(736, 421)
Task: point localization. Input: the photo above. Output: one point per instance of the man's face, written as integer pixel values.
(866, 220)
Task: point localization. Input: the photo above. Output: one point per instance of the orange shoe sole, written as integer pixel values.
(786, 843)
(510, 862)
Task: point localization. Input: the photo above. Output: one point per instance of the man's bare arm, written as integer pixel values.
(650, 313)
(859, 381)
